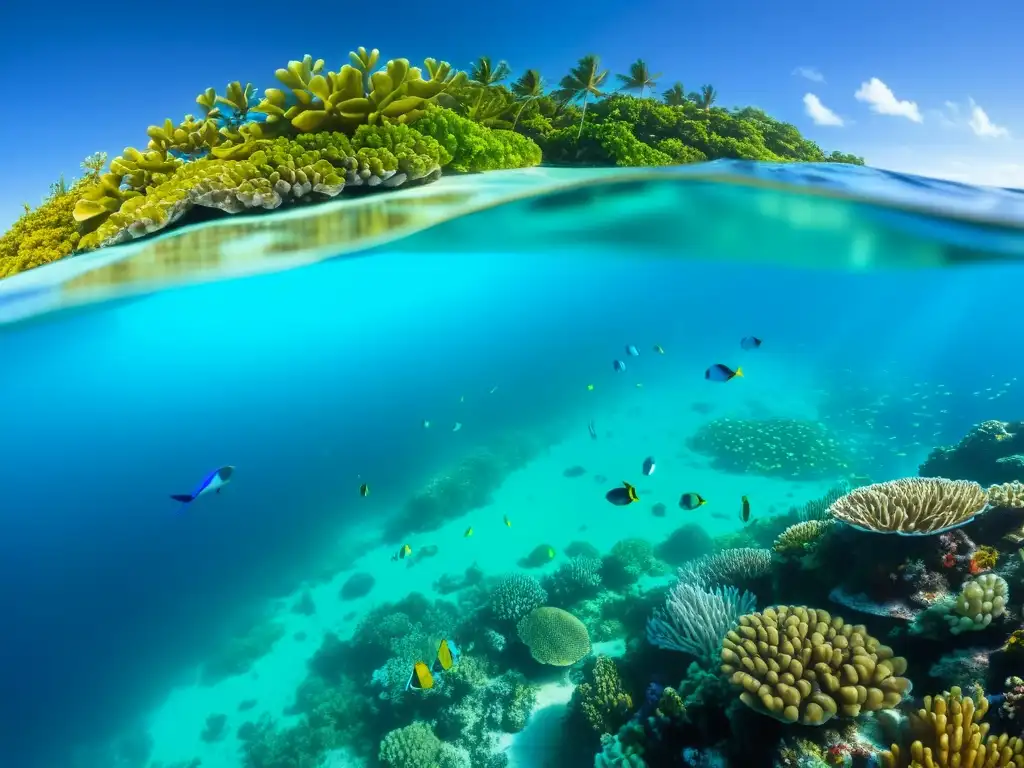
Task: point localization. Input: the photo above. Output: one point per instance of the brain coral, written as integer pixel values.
(912, 506)
(515, 596)
(801, 450)
(554, 636)
(980, 600)
(946, 733)
(802, 665)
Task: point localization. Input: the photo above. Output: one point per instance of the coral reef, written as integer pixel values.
(554, 636)
(575, 580)
(684, 543)
(912, 506)
(800, 538)
(628, 560)
(980, 600)
(803, 665)
(357, 585)
(730, 566)
(799, 450)
(604, 703)
(240, 653)
(990, 454)
(947, 732)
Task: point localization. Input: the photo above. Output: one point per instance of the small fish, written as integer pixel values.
(446, 657)
(590, 387)
(719, 372)
(649, 466)
(364, 490)
(457, 427)
(658, 349)
(592, 429)
(745, 514)
(426, 424)
(468, 533)
(623, 496)
(639, 385)
(508, 523)
(421, 679)
(631, 350)
(211, 484)
(750, 342)
(403, 553)
(691, 501)
(462, 398)
(618, 365)
(493, 390)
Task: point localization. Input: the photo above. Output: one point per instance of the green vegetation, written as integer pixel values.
(370, 125)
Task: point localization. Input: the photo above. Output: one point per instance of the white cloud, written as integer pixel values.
(819, 113)
(983, 126)
(809, 73)
(882, 100)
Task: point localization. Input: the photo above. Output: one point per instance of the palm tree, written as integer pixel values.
(583, 81)
(705, 98)
(675, 96)
(485, 73)
(528, 87)
(639, 78)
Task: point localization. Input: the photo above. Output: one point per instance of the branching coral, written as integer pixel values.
(554, 636)
(604, 703)
(695, 620)
(1008, 495)
(43, 234)
(575, 580)
(628, 560)
(803, 665)
(913, 506)
(730, 566)
(802, 537)
(413, 746)
(947, 732)
(790, 448)
(515, 596)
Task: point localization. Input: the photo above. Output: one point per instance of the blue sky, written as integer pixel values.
(82, 81)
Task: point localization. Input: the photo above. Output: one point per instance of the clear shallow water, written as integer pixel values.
(313, 380)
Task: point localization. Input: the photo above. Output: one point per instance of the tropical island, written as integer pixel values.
(368, 127)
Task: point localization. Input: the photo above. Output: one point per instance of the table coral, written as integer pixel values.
(803, 665)
(801, 450)
(554, 636)
(604, 703)
(947, 732)
(912, 506)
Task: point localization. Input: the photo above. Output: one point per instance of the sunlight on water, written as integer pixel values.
(445, 437)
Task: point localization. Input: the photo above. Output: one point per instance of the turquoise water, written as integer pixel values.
(312, 381)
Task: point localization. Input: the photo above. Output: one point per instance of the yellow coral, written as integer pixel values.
(947, 733)
(800, 537)
(984, 559)
(42, 234)
(912, 506)
(671, 704)
(604, 703)
(800, 664)
(1009, 495)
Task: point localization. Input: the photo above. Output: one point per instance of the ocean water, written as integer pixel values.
(886, 305)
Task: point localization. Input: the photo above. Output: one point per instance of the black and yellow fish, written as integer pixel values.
(508, 523)
(364, 490)
(691, 501)
(447, 655)
(745, 514)
(403, 553)
(469, 532)
(421, 679)
(623, 496)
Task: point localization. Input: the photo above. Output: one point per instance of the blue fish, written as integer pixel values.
(750, 342)
(649, 466)
(622, 496)
(619, 366)
(719, 372)
(631, 350)
(212, 484)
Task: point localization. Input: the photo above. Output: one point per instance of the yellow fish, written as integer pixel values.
(421, 679)
(403, 553)
(444, 656)
(590, 387)
(469, 532)
(508, 522)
